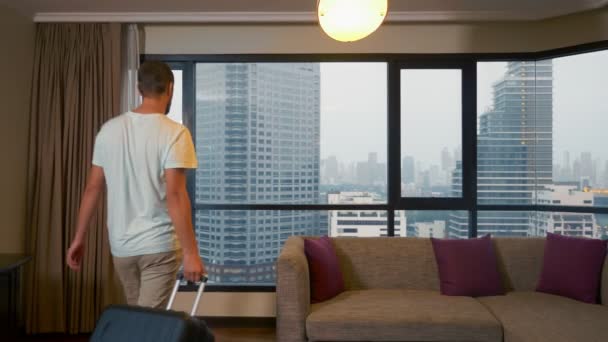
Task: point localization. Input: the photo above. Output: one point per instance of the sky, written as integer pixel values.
(431, 112)
(353, 110)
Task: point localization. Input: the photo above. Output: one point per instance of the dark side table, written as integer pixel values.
(11, 294)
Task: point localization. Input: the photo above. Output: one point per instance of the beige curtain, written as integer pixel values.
(75, 89)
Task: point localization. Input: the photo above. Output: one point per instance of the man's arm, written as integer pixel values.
(95, 186)
(180, 212)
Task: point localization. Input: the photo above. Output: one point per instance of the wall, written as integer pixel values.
(229, 304)
(17, 34)
(391, 38)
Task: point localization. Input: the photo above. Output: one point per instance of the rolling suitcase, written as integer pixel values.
(123, 323)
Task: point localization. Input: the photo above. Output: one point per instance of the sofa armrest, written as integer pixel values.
(604, 284)
(293, 292)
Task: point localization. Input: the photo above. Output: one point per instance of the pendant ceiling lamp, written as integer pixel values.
(351, 20)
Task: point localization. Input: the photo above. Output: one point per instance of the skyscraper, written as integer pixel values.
(446, 160)
(371, 172)
(330, 170)
(587, 168)
(257, 137)
(514, 155)
(408, 170)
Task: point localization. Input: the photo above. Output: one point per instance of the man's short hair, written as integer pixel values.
(153, 78)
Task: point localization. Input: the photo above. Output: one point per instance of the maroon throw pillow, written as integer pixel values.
(468, 267)
(325, 275)
(572, 267)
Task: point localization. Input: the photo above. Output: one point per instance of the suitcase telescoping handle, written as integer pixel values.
(199, 292)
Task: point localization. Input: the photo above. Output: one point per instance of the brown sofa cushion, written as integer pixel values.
(401, 315)
(520, 261)
(387, 263)
(535, 316)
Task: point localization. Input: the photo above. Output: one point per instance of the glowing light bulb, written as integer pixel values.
(351, 20)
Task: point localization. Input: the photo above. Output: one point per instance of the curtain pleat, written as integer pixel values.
(76, 88)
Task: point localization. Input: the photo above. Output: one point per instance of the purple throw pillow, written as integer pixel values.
(572, 267)
(325, 275)
(468, 267)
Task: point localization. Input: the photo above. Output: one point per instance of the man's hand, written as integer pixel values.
(75, 254)
(180, 211)
(95, 186)
(193, 267)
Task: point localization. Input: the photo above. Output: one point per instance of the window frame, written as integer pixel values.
(467, 62)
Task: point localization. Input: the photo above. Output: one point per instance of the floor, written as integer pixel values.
(221, 335)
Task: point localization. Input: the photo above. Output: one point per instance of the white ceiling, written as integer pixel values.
(295, 10)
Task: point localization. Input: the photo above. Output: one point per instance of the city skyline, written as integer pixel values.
(569, 74)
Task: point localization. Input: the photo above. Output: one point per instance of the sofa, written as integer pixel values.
(392, 294)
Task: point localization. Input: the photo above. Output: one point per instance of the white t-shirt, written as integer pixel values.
(134, 150)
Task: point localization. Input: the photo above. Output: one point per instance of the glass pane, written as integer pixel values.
(440, 224)
(580, 120)
(531, 223)
(176, 110)
(504, 223)
(431, 132)
(240, 247)
(289, 133)
(541, 125)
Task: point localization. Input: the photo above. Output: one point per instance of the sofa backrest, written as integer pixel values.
(520, 261)
(410, 263)
(387, 263)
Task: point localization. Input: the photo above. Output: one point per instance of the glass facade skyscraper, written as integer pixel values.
(514, 153)
(257, 138)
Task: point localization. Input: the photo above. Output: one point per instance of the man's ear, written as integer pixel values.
(170, 89)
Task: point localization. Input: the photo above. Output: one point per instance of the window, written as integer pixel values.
(442, 224)
(288, 134)
(238, 244)
(177, 109)
(539, 223)
(240, 247)
(540, 124)
(390, 146)
(580, 161)
(431, 132)
(319, 127)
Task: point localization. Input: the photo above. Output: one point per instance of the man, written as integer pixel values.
(141, 157)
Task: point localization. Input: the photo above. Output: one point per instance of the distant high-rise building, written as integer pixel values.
(584, 182)
(605, 175)
(257, 131)
(447, 162)
(434, 229)
(408, 170)
(362, 223)
(371, 172)
(567, 169)
(372, 158)
(459, 221)
(571, 224)
(515, 148)
(330, 170)
(586, 167)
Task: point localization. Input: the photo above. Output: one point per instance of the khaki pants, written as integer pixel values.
(148, 279)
